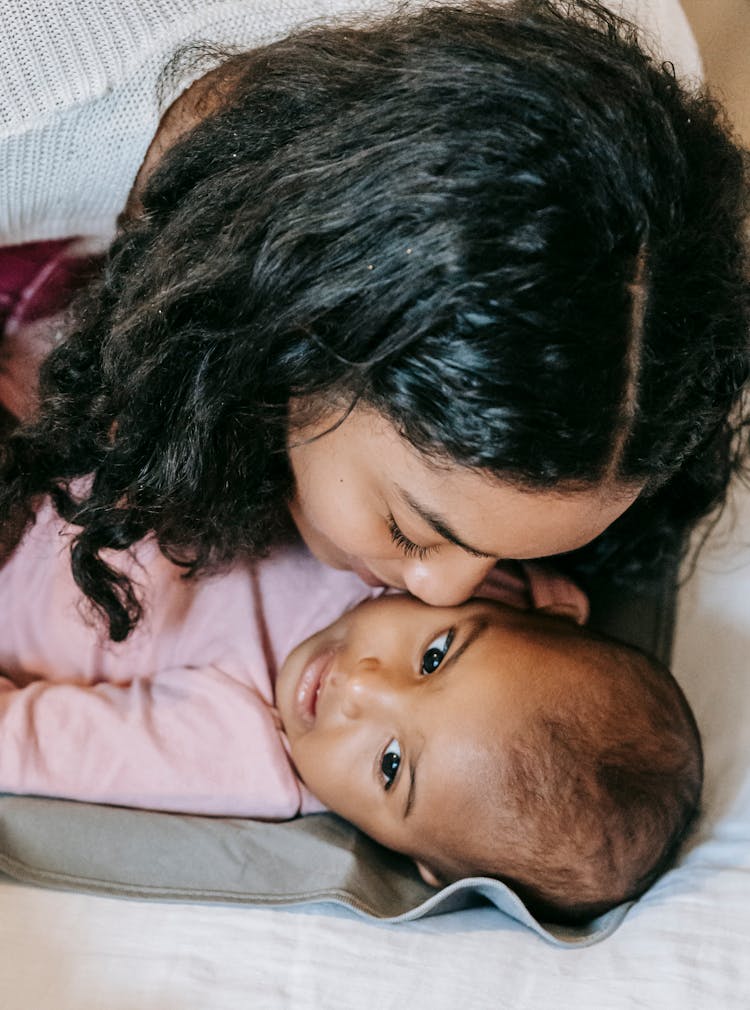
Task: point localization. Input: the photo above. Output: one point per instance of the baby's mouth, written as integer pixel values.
(310, 686)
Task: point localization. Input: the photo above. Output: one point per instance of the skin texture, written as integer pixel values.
(353, 478)
(416, 693)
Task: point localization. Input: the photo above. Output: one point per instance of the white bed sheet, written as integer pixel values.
(686, 945)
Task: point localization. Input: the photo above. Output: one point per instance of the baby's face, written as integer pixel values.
(393, 711)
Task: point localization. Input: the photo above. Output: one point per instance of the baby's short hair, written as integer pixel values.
(589, 801)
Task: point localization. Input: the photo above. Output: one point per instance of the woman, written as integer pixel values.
(463, 284)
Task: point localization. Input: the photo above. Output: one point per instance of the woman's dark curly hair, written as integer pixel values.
(506, 228)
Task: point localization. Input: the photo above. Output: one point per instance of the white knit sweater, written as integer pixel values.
(80, 103)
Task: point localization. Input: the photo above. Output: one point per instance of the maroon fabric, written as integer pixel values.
(37, 282)
(39, 278)
(19, 266)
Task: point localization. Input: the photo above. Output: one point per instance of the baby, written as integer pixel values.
(481, 740)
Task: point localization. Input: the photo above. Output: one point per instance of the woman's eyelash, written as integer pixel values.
(409, 548)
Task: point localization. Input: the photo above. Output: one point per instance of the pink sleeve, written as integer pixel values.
(535, 585)
(192, 740)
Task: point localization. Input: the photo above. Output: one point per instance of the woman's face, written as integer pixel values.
(366, 500)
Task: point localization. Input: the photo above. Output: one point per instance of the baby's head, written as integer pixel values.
(485, 741)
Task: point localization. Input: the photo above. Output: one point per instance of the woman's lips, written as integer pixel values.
(310, 684)
(369, 578)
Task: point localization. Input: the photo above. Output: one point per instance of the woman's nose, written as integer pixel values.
(447, 580)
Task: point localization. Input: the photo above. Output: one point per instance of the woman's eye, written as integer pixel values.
(407, 546)
(436, 652)
(389, 763)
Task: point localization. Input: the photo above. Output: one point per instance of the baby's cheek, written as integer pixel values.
(311, 766)
(330, 783)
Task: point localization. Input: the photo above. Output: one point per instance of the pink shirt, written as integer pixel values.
(178, 717)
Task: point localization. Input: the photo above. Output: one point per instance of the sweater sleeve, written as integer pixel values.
(189, 740)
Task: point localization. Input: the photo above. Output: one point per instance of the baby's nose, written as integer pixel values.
(366, 690)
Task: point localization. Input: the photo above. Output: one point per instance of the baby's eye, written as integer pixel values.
(436, 652)
(389, 763)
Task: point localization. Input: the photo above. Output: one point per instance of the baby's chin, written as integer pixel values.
(287, 677)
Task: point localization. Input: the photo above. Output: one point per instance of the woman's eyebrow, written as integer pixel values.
(439, 524)
(479, 626)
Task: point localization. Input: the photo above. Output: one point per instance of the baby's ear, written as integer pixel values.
(560, 608)
(554, 593)
(427, 875)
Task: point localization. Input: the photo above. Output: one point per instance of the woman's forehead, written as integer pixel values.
(486, 515)
(442, 499)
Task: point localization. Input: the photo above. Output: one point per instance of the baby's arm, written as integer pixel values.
(193, 740)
